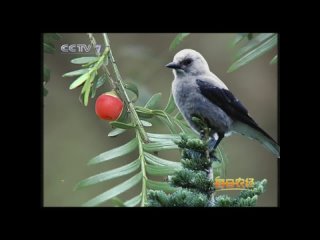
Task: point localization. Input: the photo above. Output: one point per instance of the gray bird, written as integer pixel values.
(197, 92)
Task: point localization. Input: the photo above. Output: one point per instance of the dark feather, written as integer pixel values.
(224, 99)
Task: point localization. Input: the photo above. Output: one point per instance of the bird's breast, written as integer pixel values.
(190, 101)
(184, 92)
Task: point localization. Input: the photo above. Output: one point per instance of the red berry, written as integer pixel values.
(109, 106)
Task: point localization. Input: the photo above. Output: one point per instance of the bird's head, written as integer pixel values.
(188, 62)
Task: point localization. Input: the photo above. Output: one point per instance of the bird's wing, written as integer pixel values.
(224, 99)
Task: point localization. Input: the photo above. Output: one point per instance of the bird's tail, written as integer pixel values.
(258, 134)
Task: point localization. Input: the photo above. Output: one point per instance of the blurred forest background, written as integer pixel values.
(73, 134)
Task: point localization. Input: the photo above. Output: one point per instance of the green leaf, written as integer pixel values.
(171, 120)
(253, 44)
(87, 87)
(76, 72)
(123, 118)
(220, 153)
(121, 125)
(99, 63)
(84, 60)
(116, 132)
(117, 202)
(239, 37)
(253, 54)
(46, 74)
(171, 106)
(250, 36)
(185, 128)
(274, 60)
(45, 91)
(81, 96)
(155, 185)
(178, 116)
(159, 146)
(111, 174)
(133, 88)
(79, 80)
(146, 123)
(48, 48)
(116, 152)
(167, 121)
(97, 82)
(101, 80)
(157, 170)
(177, 40)
(153, 101)
(51, 36)
(144, 112)
(115, 191)
(133, 201)
(83, 90)
(86, 93)
(160, 161)
(221, 156)
(153, 137)
(94, 86)
(216, 164)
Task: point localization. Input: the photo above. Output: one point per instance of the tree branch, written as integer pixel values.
(118, 85)
(124, 95)
(104, 66)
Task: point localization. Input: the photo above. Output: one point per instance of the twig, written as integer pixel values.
(120, 86)
(104, 66)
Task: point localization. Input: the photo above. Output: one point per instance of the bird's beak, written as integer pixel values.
(173, 65)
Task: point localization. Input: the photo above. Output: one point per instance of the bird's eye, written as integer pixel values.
(187, 61)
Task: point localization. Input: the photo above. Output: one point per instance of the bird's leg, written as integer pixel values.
(214, 141)
(211, 144)
(220, 137)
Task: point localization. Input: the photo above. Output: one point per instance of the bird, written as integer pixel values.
(199, 93)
